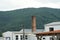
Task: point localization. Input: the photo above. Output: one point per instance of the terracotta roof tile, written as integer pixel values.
(49, 33)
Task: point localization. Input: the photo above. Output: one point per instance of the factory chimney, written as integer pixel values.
(33, 23)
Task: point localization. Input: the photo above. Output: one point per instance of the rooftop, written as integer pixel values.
(55, 32)
(53, 23)
(26, 31)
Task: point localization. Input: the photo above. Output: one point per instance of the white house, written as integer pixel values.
(52, 27)
(51, 32)
(18, 35)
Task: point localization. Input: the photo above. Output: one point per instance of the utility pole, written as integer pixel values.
(23, 32)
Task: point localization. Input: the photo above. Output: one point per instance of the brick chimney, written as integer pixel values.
(33, 23)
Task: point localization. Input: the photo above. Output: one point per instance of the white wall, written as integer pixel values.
(1, 38)
(29, 36)
(7, 34)
(12, 36)
(55, 25)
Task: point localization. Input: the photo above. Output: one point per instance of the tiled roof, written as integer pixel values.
(55, 32)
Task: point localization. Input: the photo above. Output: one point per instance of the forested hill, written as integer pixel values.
(12, 20)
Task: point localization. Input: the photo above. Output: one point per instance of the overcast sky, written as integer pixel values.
(19, 4)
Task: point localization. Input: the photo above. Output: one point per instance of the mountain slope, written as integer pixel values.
(12, 20)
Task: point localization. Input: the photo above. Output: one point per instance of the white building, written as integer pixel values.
(18, 35)
(51, 32)
(52, 27)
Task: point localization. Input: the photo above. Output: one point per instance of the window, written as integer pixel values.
(43, 38)
(7, 38)
(25, 37)
(16, 37)
(51, 29)
(21, 37)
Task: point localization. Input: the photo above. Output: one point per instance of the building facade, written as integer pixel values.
(19, 35)
(51, 32)
(52, 27)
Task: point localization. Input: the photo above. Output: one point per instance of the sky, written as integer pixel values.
(6, 5)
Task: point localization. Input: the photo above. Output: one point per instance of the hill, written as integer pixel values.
(12, 20)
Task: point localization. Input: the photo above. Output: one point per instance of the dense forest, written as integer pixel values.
(12, 20)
